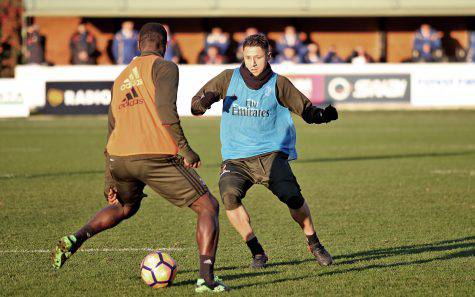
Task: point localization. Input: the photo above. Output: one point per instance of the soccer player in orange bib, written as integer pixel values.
(144, 142)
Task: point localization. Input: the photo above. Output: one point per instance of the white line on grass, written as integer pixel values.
(91, 250)
(454, 171)
(7, 175)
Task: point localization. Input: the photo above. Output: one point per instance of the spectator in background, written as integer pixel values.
(427, 38)
(360, 56)
(173, 51)
(35, 45)
(5, 50)
(290, 38)
(83, 46)
(313, 54)
(217, 38)
(425, 55)
(289, 56)
(471, 49)
(124, 45)
(332, 56)
(453, 49)
(249, 31)
(213, 56)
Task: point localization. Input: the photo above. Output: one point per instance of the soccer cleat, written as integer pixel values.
(322, 256)
(259, 261)
(218, 286)
(63, 250)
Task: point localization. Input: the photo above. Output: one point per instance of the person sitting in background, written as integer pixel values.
(360, 56)
(427, 40)
(425, 55)
(313, 54)
(173, 51)
(471, 49)
(213, 56)
(124, 45)
(249, 31)
(5, 52)
(35, 45)
(218, 39)
(290, 38)
(289, 56)
(332, 56)
(83, 46)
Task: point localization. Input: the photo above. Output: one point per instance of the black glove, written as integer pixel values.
(208, 98)
(320, 116)
(330, 114)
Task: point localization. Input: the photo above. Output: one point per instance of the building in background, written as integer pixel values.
(396, 37)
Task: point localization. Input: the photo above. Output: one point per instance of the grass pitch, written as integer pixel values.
(392, 194)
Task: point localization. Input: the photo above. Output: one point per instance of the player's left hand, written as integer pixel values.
(191, 165)
(190, 158)
(330, 114)
(112, 197)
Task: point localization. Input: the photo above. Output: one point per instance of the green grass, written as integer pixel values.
(392, 193)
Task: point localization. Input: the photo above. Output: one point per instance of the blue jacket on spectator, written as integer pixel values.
(172, 52)
(471, 51)
(217, 39)
(297, 45)
(433, 39)
(124, 48)
(332, 57)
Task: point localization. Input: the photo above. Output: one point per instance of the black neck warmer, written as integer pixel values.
(255, 82)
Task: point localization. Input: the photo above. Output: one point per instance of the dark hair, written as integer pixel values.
(258, 40)
(153, 35)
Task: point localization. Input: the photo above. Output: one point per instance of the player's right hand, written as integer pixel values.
(112, 197)
(208, 98)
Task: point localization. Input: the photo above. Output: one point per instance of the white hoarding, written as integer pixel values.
(444, 85)
(12, 99)
(427, 85)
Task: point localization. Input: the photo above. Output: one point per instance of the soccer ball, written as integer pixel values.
(158, 269)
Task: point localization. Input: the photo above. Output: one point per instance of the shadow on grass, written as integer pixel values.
(465, 243)
(386, 157)
(462, 254)
(230, 277)
(440, 246)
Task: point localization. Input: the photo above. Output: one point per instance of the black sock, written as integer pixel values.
(207, 269)
(255, 247)
(312, 240)
(82, 235)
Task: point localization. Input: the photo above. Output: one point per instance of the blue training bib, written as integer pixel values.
(253, 122)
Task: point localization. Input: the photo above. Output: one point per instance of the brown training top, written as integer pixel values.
(143, 119)
(287, 95)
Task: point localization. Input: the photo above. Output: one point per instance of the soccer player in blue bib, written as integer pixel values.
(258, 140)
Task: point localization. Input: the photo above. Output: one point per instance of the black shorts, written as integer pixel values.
(271, 170)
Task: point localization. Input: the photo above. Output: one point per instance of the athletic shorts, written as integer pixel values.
(271, 170)
(165, 175)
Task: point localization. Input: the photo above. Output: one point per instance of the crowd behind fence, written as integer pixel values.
(292, 47)
(23, 43)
